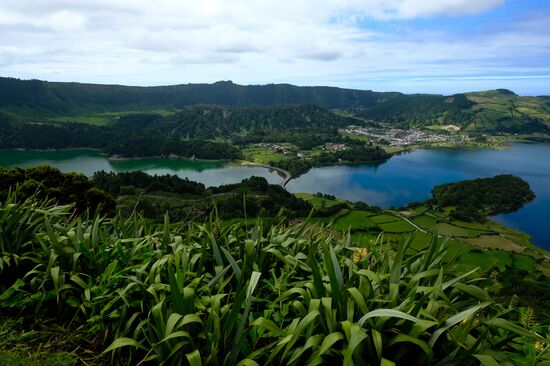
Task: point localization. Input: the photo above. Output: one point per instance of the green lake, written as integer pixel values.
(210, 173)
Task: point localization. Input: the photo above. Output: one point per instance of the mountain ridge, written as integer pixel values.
(498, 110)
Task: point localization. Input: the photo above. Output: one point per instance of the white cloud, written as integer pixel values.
(299, 41)
(427, 8)
(67, 21)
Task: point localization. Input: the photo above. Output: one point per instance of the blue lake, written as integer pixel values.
(410, 177)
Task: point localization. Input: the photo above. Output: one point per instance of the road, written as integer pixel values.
(286, 175)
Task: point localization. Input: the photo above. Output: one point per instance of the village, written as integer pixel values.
(397, 137)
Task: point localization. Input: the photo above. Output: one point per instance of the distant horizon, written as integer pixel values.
(273, 83)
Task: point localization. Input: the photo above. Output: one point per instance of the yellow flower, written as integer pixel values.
(539, 346)
(358, 254)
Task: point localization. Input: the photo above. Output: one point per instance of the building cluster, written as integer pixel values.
(275, 147)
(331, 147)
(400, 137)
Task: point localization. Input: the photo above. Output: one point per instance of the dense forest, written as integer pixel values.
(45, 182)
(189, 133)
(181, 199)
(495, 111)
(123, 142)
(303, 125)
(475, 199)
(36, 97)
(151, 196)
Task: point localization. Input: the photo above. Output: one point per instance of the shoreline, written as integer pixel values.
(286, 174)
(174, 157)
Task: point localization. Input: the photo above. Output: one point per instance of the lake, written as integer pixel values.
(410, 177)
(210, 173)
(402, 179)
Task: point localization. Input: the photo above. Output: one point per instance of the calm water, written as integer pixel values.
(410, 177)
(400, 180)
(210, 173)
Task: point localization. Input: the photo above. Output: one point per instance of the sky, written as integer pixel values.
(412, 46)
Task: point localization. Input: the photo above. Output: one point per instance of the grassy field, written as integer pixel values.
(451, 230)
(263, 155)
(420, 210)
(357, 220)
(495, 242)
(469, 225)
(101, 119)
(400, 226)
(489, 259)
(379, 219)
(425, 221)
(319, 201)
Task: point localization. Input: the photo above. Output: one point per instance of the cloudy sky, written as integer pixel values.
(431, 46)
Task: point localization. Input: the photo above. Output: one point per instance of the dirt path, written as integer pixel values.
(410, 222)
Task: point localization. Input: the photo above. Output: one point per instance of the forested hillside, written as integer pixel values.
(37, 98)
(492, 111)
(189, 133)
(206, 122)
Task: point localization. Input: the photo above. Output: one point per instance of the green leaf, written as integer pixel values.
(252, 284)
(402, 338)
(355, 335)
(455, 319)
(359, 299)
(329, 341)
(472, 290)
(248, 362)
(124, 342)
(269, 325)
(194, 358)
(336, 278)
(233, 263)
(175, 291)
(509, 326)
(487, 360)
(389, 313)
(173, 320)
(378, 343)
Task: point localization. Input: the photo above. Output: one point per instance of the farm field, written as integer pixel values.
(495, 242)
(452, 230)
(263, 155)
(357, 220)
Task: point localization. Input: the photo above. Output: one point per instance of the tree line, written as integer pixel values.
(46, 182)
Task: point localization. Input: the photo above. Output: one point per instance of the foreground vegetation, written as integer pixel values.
(215, 293)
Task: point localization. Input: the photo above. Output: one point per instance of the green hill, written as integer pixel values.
(36, 98)
(490, 111)
(497, 110)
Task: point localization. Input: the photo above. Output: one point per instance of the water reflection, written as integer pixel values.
(210, 173)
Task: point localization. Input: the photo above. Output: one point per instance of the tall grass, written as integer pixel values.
(217, 294)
